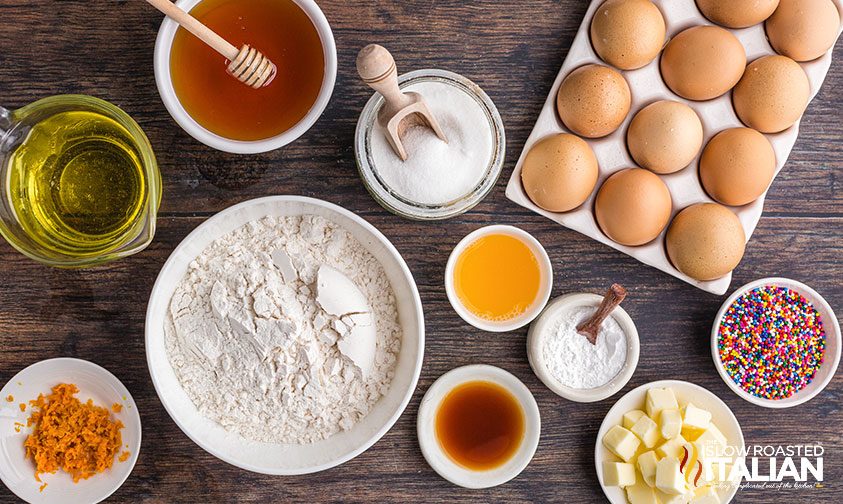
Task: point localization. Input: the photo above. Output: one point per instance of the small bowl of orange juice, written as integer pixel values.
(498, 278)
(223, 113)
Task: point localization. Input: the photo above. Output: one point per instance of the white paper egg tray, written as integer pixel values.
(647, 87)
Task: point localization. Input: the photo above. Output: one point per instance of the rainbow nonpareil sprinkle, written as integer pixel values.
(771, 342)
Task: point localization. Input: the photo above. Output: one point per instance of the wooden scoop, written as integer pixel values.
(591, 327)
(401, 110)
(248, 65)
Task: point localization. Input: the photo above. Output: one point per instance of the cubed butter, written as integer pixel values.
(668, 477)
(695, 420)
(647, 466)
(640, 493)
(630, 417)
(619, 474)
(647, 431)
(670, 423)
(659, 399)
(666, 498)
(712, 438)
(718, 478)
(671, 447)
(621, 442)
(706, 495)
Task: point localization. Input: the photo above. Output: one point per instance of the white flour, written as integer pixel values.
(573, 360)
(252, 345)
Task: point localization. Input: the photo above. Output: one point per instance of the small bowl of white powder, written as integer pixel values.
(568, 364)
(439, 179)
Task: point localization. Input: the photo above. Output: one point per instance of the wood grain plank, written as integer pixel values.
(513, 49)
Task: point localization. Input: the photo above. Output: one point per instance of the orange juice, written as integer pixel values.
(497, 277)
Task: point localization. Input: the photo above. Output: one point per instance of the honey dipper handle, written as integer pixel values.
(376, 67)
(193, 25)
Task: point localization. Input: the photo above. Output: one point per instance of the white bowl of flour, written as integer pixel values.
(285, 335)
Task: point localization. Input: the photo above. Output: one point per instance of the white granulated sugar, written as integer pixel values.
(573, 361)
(263, 341)
(436, 172)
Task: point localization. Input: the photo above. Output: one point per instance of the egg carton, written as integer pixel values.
(647, 86)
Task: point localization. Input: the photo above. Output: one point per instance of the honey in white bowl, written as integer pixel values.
(284, 33)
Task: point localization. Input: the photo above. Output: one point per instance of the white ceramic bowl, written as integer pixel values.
(685, 392)
(832, 344)
(276, 458)
(164, 82)
(441, 462)
(94, 382)
(544, 289)
(540, 330)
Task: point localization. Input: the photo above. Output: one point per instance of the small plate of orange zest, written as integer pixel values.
(69, 432)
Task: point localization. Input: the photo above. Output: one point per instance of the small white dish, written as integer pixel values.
(278, 458)
(94, 382)
(832, 344)
(164, 82)
(685, 392)
(544, 288)
(540, 330)
(436, 456)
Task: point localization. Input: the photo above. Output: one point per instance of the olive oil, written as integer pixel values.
(77, 184)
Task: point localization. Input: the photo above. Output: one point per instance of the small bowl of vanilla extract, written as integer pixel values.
(478, 426)
(221, 112)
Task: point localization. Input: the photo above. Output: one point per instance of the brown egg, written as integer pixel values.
(772, 94)
(703, 62)
(737, 166)
(559, 172)
(665, 136)
(633, 206)
(627, 34)
(803, 29)
(593, 101)
(737, 13)
(705, 241)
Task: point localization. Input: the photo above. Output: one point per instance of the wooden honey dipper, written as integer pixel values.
(376, 67)
(247, 64)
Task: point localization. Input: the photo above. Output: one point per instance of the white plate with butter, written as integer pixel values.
(721, 416)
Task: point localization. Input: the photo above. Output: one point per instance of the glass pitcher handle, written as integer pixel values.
(5, 121)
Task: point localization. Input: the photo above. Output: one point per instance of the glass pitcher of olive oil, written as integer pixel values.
(80, 182)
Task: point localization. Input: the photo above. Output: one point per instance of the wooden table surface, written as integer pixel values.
(513, 49)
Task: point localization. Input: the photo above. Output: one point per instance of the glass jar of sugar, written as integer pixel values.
(439, 179)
